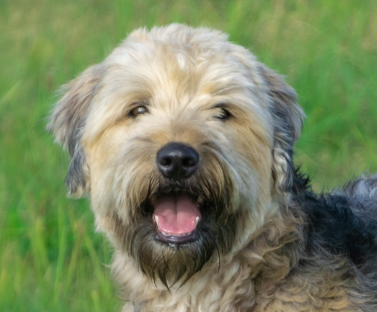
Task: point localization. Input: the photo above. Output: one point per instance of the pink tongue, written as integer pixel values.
(176, 214)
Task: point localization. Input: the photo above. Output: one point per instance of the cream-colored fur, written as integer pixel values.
(181, 73)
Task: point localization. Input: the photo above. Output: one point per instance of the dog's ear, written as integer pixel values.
(67, 122)
(287, 121)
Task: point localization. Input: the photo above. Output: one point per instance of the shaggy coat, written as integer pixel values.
(184, 143)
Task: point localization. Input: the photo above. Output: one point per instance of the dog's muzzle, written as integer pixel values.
(176, 214)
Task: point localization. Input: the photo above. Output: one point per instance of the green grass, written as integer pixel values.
(50, 257)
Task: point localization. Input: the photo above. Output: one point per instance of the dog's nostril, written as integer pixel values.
(165, 161)
(188, 162)
(177, 160)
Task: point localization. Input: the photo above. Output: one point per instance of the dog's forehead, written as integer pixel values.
(182, 61)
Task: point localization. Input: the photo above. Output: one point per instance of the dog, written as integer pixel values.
(184, 143)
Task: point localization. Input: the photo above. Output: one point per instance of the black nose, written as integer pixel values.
(177, 160)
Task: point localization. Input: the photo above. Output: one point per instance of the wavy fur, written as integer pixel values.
(265, 242)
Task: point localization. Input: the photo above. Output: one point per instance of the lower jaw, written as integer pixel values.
(171, 239)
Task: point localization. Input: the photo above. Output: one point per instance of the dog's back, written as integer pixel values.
(344, 224)
(344, 220)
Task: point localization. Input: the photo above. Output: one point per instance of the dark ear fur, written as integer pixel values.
(288, 120)
(67, 122)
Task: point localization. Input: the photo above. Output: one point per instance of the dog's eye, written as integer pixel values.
(139, 111)
(223, 114)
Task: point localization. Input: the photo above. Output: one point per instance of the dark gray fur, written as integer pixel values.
(288, 119)
(68, 120)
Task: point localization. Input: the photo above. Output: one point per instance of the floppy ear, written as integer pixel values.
(288, 120)
(67, 122)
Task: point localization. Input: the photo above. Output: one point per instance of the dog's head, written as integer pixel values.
(184, 143)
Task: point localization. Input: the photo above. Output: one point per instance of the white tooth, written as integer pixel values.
(197, 220)
(156, 219)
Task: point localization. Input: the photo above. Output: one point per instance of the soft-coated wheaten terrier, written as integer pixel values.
(183, 142)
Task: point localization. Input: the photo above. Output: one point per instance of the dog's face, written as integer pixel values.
(184, 143)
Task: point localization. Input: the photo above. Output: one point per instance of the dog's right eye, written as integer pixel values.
(140, 110)
(221, 112)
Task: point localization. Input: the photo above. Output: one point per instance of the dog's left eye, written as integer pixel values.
(140, 110)
(223, 114)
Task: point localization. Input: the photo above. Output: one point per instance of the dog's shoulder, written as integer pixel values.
(343, 221)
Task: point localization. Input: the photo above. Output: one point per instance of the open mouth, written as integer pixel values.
(176, 217)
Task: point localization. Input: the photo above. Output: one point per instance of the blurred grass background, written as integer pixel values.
(50, 258)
